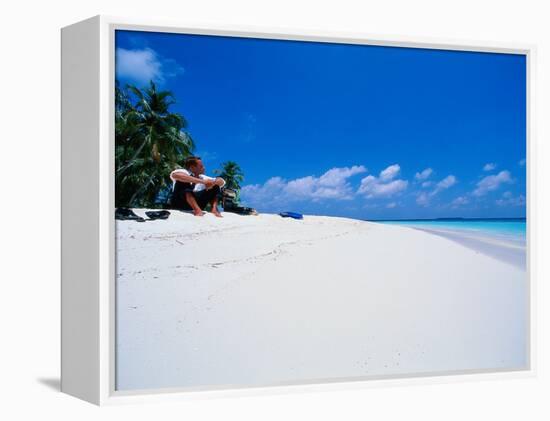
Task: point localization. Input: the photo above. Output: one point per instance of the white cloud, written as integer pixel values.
(390, 173)
(372, 187)
(426, 184)
(391, 205)
(508, 199)
(444, 184)
(333, 184)
(489, 166)
(337, 176)
(142, 65)
(423, 175)
(423, 198)
(491, 183)
(384, 185)
(460, 201)
(522, 162)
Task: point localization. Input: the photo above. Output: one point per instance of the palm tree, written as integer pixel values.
(150, 142)
(233, 175)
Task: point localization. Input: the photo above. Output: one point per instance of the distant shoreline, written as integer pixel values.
(492, 246)
(520, 219)
(503, 239)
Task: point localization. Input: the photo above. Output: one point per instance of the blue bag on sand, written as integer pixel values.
(294, 215)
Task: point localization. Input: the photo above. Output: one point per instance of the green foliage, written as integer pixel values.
(233, 175)
(150, 142)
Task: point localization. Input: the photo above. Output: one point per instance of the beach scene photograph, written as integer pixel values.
(293, 212)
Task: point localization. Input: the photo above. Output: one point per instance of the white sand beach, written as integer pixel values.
(246, 301)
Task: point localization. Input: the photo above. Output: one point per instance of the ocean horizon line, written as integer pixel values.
(451, 219)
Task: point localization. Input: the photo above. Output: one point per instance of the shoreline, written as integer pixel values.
(505, 245)
(505, 251)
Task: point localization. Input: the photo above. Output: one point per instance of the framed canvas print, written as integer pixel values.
(249, 210)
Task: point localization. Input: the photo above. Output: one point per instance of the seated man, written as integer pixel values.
(192, 190)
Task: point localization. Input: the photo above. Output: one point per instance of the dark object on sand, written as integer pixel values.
(125, 214)
(230, 204)
(241, 210)
(163, 214)
(293, 215)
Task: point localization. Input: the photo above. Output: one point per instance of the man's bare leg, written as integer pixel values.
(215, 210)
(197, 211)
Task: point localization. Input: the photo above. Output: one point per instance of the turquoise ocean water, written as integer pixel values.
(512, 228)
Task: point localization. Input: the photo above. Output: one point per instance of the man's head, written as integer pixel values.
(194, 164)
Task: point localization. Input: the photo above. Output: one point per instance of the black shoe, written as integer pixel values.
(125, 214)
(163, 214)
(241, 210)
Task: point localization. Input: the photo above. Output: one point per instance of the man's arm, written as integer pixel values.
(218, 181)
(185, 178)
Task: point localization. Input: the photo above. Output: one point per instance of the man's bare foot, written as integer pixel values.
(217, 213)
(198, 212)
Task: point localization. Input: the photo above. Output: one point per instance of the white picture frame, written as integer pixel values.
(88, 223)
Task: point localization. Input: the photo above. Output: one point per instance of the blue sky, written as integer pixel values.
(360, 131)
